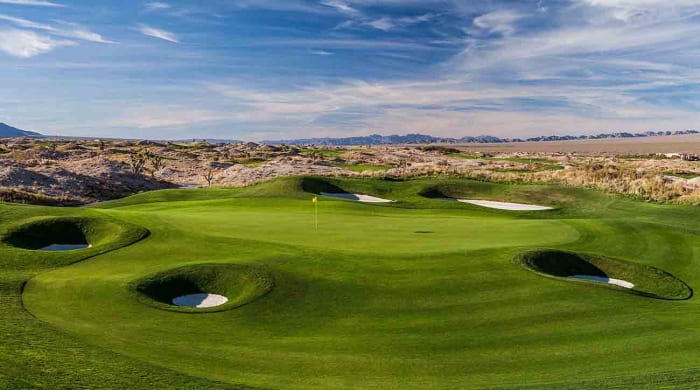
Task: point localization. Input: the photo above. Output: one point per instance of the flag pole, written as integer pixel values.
(315, 200)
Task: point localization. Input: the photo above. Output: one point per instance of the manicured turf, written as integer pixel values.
(423, 293)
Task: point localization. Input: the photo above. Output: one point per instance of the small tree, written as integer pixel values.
(209, 176)
(157, 161)
(137, 161)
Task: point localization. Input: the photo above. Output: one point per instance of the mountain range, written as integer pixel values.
(376, 139)
(7, 131)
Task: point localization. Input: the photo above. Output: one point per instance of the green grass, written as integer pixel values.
(423, 293)
(253, 164)
(685, 175)
(327, 153)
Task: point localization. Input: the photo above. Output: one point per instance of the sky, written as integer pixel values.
(280, 69)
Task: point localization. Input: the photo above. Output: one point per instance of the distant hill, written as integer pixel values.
(7, 131)
(376, 139)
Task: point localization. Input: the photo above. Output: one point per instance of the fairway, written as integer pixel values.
(419, 293)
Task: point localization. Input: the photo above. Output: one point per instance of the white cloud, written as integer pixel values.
(156, 6)
(40, 3)
(26, 44)
(384, 24)
(497, 22)
(76, 32)
(158, 33)
(322, 52)
(85, 35)
(158, 116)
(340, 6)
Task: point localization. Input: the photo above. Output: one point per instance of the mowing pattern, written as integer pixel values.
(416, 294)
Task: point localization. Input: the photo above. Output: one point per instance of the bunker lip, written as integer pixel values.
(65, 247)
(356, 197)
(617, 282)
(55, 234)
(595, 270)
(202, 288)
(202, 300)
(505, 205)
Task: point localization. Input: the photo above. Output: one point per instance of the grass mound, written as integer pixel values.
(317, 185)
(61, 231)
(648, 281)
(526, 194)
(241, 284)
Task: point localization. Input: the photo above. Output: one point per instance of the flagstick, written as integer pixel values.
(316, 214)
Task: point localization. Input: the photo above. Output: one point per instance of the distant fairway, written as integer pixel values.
(422, 293)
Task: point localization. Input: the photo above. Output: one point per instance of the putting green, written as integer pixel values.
(415, 294)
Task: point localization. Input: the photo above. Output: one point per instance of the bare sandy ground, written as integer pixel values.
(200, 300)
(665, 144)
(617, 282)
(357, 197)
(505, 205)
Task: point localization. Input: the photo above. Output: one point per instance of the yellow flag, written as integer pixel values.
(315, 199)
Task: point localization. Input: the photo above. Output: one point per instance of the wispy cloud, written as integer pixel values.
(384, 23)
(340, 6)
(75, 31)
(156, 6)
(497, 22)
(447, 67)
(40, 3)
(158, 33)
(26, 44)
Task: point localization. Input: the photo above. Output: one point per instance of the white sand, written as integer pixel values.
(617, 282)
(200, 300)
(357, 197)
(65, 247)
(505, 205)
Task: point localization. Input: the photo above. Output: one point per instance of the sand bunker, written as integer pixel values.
(200, 300)
(617, 282)
(201, 288)
(65, 247)
(635, 278)
(505, 205)
(357, 197)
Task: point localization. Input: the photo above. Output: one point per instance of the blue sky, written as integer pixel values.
(269, 69)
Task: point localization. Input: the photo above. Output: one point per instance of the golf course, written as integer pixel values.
(330, 283)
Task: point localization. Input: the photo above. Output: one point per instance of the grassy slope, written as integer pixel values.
(422, 293)
(36, 355)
